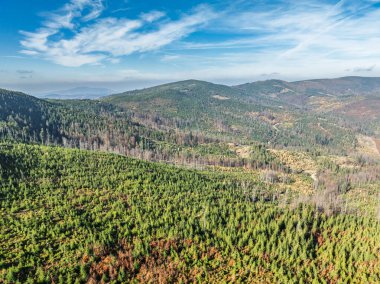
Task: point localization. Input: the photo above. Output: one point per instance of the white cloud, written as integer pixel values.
(63, 18)
(106, 38)
(169, 57)
(152, 16)
(304, 37)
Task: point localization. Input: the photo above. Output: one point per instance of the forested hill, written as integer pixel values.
(95, 125)
(343, 97)
(278, 112)
(269, 91)
(315, 115)
(353, 98)
(344, 86)
(21, 115)
(28, 119)
(90, 217)
(278, 108)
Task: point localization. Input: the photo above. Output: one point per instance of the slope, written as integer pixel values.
(95, 125)
(77, 216)
(356, 99)
(240, 114)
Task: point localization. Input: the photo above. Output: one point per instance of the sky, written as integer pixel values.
(127, 44)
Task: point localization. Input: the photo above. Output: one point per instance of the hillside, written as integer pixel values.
(153, 122)
(299, 115)
(71, 215)
(354, 99)
(28, 119)
(183, 100)
(241, 114)
(340, 87)
(95, 125)
(345, 86)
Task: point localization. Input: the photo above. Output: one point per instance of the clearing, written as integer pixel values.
(369, 145)
(220, 98)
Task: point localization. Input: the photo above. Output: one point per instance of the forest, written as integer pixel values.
(74, 216)
(192, 182)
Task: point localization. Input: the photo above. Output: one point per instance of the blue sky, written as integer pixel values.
(126, 44)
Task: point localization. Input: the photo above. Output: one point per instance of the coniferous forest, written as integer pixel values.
(72, 216)
(217, 185)
(189, 142)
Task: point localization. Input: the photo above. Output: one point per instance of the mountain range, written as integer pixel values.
(193, 119)
(280, 177)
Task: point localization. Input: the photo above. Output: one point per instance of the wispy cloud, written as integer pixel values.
(63, 18)
(293, 27)
(364, 69)
(25, 71)
(13, 56)
(152, 16)
(169, 57)
(25, 74)
(304, 37)
(106, 38)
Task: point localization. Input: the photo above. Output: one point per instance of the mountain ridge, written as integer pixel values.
(259, 82)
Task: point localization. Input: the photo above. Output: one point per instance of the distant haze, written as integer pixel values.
(77, 93)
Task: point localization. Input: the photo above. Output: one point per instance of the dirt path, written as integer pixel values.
(377, 142)
(369, 145)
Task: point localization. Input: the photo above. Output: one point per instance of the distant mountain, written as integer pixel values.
(173, 97)
(78, 93)
(270, 92)
(341, 86)
(356, 98)
(312, 114)
(273, 111)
